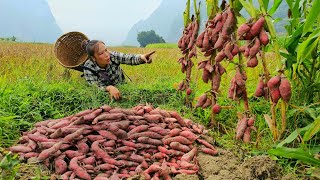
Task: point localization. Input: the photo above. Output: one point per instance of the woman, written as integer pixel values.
(103, 66)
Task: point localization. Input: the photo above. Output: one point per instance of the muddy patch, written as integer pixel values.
(228, 166)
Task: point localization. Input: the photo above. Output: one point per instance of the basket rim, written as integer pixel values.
(55, 49)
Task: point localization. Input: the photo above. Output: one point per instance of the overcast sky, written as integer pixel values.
(107, 20)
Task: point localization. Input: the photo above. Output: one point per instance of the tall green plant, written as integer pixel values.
(302, 48)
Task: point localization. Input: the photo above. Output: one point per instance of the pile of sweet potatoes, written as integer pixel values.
(116, 143)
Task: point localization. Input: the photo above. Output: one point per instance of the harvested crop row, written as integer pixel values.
(116, 143)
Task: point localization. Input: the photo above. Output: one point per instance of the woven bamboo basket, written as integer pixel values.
(68, 49)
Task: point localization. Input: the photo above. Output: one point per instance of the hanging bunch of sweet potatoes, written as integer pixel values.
(279, 87)
(256, 37)
(187, 46)
(217, 38)
(237, 87)
(244, 127)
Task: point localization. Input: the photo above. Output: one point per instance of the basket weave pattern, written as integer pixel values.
(68, 49)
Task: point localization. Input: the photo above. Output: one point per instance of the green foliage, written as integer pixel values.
(162, 45)
(149, 37)
(9, 166)
(13, 39)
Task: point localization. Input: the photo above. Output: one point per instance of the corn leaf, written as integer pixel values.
(186, 14)
(314, 129)
(265, 4)
(306, 47)
(295, 153)
(209, 7)
(293, 136)
(275, 6)
(312, 17)
(249, 8)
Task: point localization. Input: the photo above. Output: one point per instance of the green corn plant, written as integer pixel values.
(302, 48)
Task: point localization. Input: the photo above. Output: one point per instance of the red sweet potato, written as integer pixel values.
(178, 117)
(138, 129)
(49, 152)
(263, 36)
(190, 155)
(260, 88)
(285, 89)
(253, 62)
(241, 127)
(216, 109)
(243, 29)
(180, 147)
(257, 26)
(209, 151)
(246, 135)
(255, 48)
(201, 101)
(274, 82)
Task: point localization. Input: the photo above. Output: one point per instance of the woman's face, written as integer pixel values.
(102, 55)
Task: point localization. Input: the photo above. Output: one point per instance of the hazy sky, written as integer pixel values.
(107, 20)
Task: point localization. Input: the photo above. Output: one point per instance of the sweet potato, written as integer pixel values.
(72, 136)
(159, 130)
(255, 48)
(228, 50)
(153, 118)
(190, 155)
(257, 26)
(205, 75)
(274, 82)
(179, 147)
(178, 117)
(263, 36)
(275, 95)
(79, 171)
(174, 132)
(138, 129)
(209, 151)
(241, 127)
(146, 134)
(253, 62)
(246, 135)
(107, 134)
(189, 135)
(148, 140)
(83, 147)
(205, 42)
(201, 101)
(60, 166)
(243, 29)
(220, 56)
(20, 148)
(216, 109)
(179, 139)
(260, 88)
(200, 40)
(108, 116)
(285, 89)
(49, 152)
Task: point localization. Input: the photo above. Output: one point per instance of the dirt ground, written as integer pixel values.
(227, 166)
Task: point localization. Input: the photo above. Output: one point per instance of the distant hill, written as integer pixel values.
(167, 21)
(29, 20)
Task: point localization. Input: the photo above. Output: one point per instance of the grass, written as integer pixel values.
(35, 87)
(162, 45)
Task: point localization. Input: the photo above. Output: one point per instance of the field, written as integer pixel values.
(35, 87)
